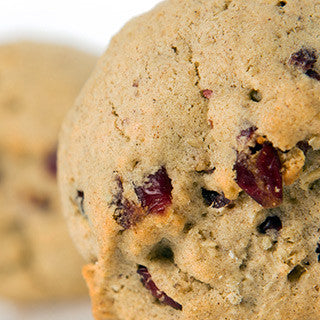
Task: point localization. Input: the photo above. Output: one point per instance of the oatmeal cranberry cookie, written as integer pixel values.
(38, 83)
(190, 164)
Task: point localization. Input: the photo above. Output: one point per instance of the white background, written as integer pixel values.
(86, 24)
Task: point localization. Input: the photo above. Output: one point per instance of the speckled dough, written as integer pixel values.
(189, 165)
(38, 83)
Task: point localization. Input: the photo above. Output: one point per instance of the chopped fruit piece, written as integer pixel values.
(151, 286)
(271, 223)
(207, 93)
(155, 194)
(304, 59)
(214, 199)
(259, 175)
(51, 162)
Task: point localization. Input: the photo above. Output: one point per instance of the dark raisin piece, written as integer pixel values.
(214, 199)
(295, 274)
(207, 93)
(313, 74)
(304, 146)
(80, 202)
(255, 95)
(304, 59)
(50, 162)
(259, 175)
(155, 194)
(149, 284)
(271, 223)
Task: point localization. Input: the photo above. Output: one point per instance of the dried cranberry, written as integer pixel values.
(155, 194)
(259, 175)
(154, 290)
(271, 223)
(207, 93)
(214, 199)
(304, 59)
(51, 162)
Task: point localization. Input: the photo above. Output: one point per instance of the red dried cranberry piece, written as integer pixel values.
(271, 222)
(304, 59)
(259, 176)
(155, 194)
(214, 199)
(207, 93)
(51, 162)
(154, 290)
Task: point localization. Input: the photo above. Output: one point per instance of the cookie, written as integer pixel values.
(189, 165)
(39, 82)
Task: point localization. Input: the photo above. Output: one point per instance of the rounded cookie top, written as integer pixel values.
(188, 165)
(39, 82)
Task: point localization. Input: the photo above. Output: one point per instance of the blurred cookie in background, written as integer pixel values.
(38, 83)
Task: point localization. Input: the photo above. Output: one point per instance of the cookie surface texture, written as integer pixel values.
(189, 165)
(39, 82)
